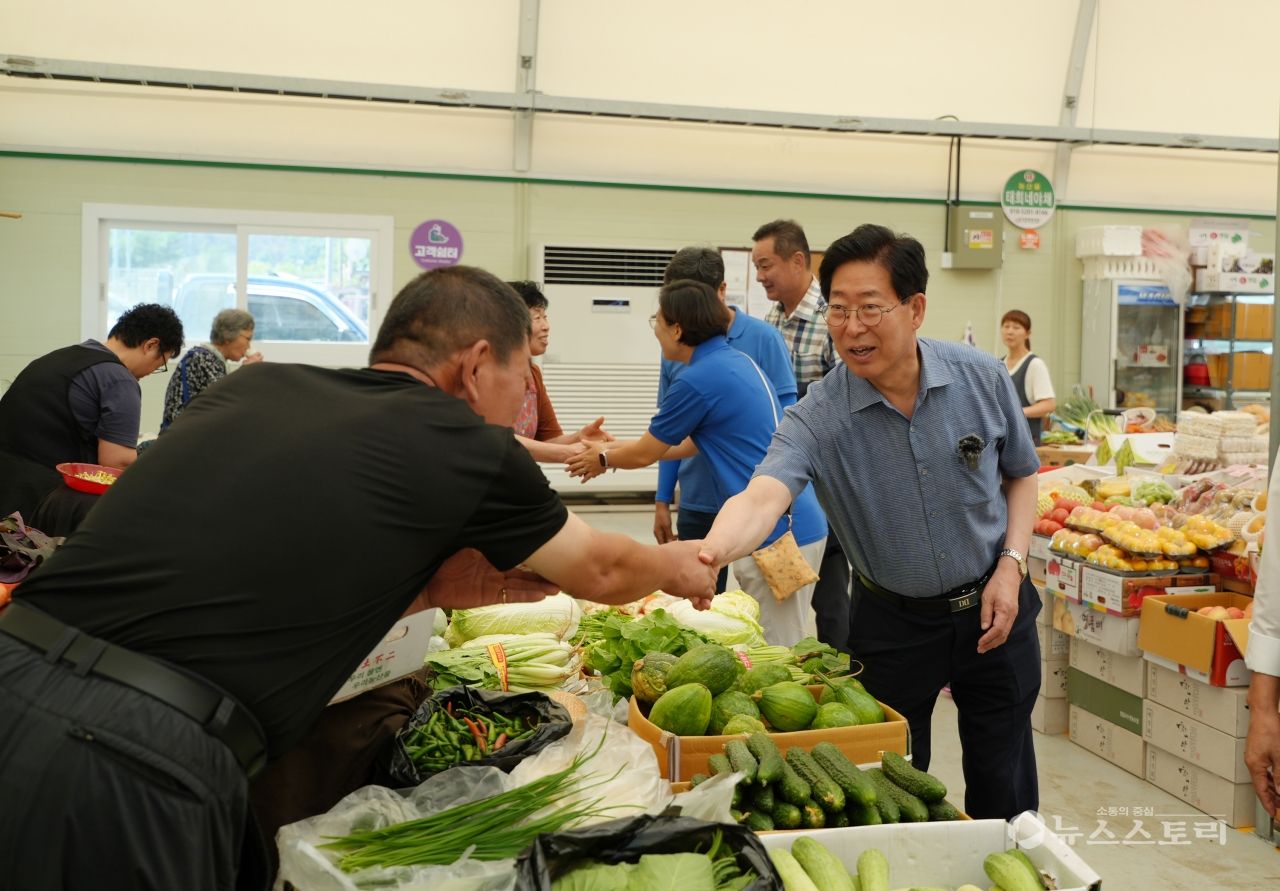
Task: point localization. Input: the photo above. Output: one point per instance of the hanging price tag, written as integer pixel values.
(498, 656)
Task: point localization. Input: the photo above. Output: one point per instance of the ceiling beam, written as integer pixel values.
(350, 91)
(1085, 15)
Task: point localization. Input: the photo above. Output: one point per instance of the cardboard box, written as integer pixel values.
(1053, 644)
(1063, 577)
(1253, 321)
(1182, 636)
(951, 854)
(1053, 679)
(1105, 739)
(1045, 616)
(1114, 633)
(1129, 673)
(1064, 456)
(1249, 371)
(680, 757)
(1035, 571)
(1195, 742)
(400, 653)
(1098, 698)
(1039, 549)
(1049, 716)
(1112, 593)
(1222, 708)
(1236, 282)
(1230, 802)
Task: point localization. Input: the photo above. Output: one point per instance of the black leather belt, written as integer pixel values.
(955, 600)
(219, 714)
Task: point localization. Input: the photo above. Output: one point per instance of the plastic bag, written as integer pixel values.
(708, 801)
(624, 841)
(555, 725)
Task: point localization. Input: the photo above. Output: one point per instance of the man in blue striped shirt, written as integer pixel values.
(922, 461)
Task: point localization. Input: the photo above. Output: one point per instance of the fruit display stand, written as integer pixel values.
(680, 757)
(951, 854)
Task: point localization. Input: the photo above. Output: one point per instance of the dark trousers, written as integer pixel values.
(910, 655)
(831, 596)
(103, 787)
(693, 525)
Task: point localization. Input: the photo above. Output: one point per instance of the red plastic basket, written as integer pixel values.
(69, 472)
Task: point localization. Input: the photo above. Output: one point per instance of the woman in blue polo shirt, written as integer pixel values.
(723, 408)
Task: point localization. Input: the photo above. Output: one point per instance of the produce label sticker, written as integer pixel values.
(1104, 452)
(436, 243)
(498, 656)
(1028, 200)
(981, 238)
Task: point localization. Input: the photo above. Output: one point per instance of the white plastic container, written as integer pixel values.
(1109, 241)
(1120, 267)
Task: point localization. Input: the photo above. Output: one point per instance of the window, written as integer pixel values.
(309, 280)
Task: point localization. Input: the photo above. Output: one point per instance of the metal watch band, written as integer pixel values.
(1022, 562)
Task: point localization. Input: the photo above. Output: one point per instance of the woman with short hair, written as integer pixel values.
(230, 337)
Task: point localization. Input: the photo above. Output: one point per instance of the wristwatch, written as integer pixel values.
(604, 462)
(1010, 552)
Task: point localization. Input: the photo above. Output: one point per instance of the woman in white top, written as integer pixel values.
(1030, 374)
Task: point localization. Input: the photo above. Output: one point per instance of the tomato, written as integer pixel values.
(1098, 505)
(1065, 504)
(1053, 526)
(1059, 515)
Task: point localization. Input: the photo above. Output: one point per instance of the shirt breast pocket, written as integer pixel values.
(980, 480)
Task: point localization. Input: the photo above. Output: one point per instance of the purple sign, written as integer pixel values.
(436, 243)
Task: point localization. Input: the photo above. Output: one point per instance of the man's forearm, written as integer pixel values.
(1020, 496)
(747, 519)
(1264, 694)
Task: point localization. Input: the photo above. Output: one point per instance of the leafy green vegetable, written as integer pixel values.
(831, 661)
(595, 877)
(716, 870)
(624, 640)
(672, 872)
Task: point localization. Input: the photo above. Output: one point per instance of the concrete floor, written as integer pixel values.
(1074, 783)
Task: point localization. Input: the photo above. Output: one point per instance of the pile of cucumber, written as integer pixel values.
(809, 866)
(823, 788)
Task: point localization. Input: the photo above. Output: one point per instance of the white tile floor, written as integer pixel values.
(1074, 783)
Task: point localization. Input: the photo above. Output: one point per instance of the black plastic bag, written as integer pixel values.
(623, 841)
(554, 723)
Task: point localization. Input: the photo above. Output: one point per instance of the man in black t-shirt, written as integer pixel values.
(369, 493)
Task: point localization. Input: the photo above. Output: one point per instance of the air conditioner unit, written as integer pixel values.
(603, 358)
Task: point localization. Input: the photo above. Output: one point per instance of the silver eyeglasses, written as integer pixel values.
(869, 314)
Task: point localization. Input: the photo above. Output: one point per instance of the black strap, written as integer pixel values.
(218, 713)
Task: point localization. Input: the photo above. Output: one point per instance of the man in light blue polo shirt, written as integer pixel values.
(921, 457)
(752, 337)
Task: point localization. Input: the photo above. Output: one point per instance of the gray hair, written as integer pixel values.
(228, 324)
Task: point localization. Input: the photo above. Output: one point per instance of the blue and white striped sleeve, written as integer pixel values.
(793, 453)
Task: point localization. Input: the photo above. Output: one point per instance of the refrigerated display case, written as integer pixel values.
(1131, 345)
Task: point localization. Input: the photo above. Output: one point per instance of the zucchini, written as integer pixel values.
(812, 816)
(697, 780)
(793, 876)
(827, 872)
(941, 811)
(846, 774)
(758, 821)
(766, 753)
(785, 816)
(873, 870)
(910, 808)
(742, 759)
(825, 790)
(792, 788)
(764, 799)
(1031, 867)
(926, 787)
(719, 764)
(1009, 873)
(863, 814)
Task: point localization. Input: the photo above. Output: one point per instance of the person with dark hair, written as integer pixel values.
(80, 404)
(921, 458)
(145, 674)
(1030, 374)
(724, 408)
(537, 428)
(781, 257)
(699, 500)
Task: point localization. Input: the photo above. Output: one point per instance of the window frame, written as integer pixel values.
(98, 219)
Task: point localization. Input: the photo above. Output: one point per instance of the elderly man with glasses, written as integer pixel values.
(922, 461)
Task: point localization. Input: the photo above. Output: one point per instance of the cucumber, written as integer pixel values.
(825, 790)
(742, 759)
(739, 798)
(697, 780)
(764, 800)
(758, 821)
(812, 816)
(821, 865)
(941, 811)
(873, 870)
(793, 876)
(837, 820)
(846, 774)
(926, 787)
(792, 788)
(767, 754)
(1026, 862)
(1009, 873)
(785, 816)
(719, 764)
(863, 814)
(910, 808)
(736, 814)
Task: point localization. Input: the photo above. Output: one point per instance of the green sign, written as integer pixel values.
(1028, 199)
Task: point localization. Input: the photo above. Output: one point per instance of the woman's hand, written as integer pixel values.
(595, 432)
(252, 357)
(587, 464)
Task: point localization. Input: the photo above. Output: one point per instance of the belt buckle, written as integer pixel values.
(964, 601)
